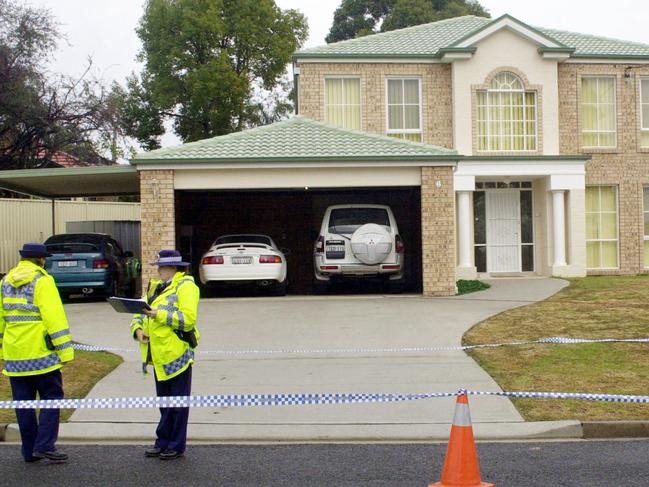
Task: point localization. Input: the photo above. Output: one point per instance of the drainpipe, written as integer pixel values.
(296, 82)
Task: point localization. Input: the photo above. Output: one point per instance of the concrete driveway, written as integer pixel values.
(327, 322)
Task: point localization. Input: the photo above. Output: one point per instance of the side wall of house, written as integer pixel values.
(626, 166)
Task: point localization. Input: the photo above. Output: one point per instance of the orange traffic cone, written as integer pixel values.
(461, 465)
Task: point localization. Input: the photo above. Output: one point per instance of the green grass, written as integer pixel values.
(79, 377)
(465, 286)
(591, 307)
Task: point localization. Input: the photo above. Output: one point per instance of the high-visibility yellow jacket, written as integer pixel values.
(31, 320)
(177, 310)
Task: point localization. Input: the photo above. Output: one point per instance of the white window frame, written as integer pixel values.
(488, 122)
(390, 131)
(597, 131)
(617, 225)
(360, 95)
(644, 124)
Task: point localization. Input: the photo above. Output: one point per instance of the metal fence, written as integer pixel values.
(32, 220)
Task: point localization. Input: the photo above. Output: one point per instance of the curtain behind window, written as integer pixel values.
(598, 118)
(343, 102)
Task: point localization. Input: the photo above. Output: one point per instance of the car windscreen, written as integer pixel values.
(348, 220)
(74, 243)
(72, 248)
(235, 239)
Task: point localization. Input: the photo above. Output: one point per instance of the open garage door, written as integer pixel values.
(293, 218)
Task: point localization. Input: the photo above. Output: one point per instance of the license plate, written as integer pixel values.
(68, 263)
(335, 248)
(241, 260)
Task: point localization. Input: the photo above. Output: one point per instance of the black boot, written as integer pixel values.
(170, 455)
(53, 456)
(152, 452)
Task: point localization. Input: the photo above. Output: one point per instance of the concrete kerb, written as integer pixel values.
(306, 433)
(370, 433)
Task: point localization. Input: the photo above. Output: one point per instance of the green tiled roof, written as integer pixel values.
(298, 139)
(594, 46)
(420, 40)
(430, 40)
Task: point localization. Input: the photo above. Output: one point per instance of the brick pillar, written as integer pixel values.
(438, 231)
(158, 228)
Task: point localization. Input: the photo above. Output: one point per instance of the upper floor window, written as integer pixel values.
(598, 121)
(506, 115)
(343, 102)
(404, 108)
(644, 112)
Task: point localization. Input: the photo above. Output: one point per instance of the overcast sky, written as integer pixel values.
(105, 30)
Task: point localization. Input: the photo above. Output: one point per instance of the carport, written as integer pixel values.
(280, 178)
(78, 182)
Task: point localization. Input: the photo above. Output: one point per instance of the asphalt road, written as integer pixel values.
(577, 463)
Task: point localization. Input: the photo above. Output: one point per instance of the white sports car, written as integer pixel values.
(238, 259)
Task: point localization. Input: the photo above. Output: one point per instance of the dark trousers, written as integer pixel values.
(172, 429)
(41, 434)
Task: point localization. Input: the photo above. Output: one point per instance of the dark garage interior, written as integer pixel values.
(292, 218)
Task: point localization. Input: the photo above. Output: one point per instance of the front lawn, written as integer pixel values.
(79, 376)
(591, 307)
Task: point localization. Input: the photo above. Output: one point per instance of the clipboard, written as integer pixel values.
(127, 305)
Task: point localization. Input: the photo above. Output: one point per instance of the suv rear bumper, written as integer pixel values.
(324, 271)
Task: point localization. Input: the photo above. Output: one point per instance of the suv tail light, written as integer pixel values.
(212, 259)
(100, 264)
(399, 247)
(319, 245)
(270, 259)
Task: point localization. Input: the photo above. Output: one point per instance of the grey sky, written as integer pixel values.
(105, 30)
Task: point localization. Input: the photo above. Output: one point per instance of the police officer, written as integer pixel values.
(35, 341)
(168, 336)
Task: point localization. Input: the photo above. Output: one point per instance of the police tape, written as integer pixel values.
(304, 399)
(309, 351)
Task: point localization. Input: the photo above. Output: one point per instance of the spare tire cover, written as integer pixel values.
(371, 243)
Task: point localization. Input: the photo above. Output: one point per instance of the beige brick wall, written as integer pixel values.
(627, 166)
(435, 86)
(438, 231)
(158, 218)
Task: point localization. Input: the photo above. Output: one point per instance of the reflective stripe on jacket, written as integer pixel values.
(177, 308)
(34, 333)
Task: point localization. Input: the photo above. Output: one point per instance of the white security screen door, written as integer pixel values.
(503, 230)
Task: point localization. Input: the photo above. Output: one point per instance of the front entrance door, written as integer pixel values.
(503, 214)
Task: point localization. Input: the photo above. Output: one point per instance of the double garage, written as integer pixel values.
(278, 180)
(292, 218)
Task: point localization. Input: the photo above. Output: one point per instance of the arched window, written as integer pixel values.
(506, 115)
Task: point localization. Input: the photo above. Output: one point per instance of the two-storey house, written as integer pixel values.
(527, 149)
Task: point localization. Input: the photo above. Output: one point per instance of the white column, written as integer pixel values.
(464, 228)
(559, 228)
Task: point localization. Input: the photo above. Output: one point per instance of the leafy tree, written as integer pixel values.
(42, 113)
(356, 18)
(205, 61)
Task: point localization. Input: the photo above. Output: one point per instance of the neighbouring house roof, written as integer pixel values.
(65, 159)
(298, 139)
(62, 159)
(434, 39)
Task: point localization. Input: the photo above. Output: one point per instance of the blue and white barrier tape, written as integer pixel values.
(251, 400)
(220, 401)
(548, 340)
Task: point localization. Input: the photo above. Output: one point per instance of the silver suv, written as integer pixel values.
(358, 240)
